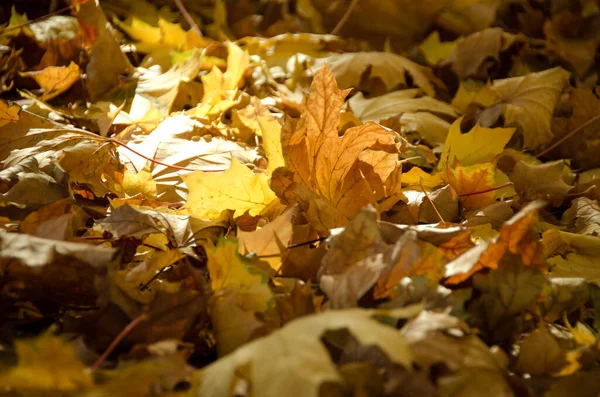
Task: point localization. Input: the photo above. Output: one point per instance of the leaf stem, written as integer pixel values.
(345, 18)
(570, 134)
(507, 184)
(188, 17)
(118, 340)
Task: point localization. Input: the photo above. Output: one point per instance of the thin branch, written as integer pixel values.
(345, 17)
(188, 17)
(507, 184)
(118, 340)
(570, 134)
(430, 200)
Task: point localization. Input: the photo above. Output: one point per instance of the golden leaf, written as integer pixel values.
(336, 176)
(8, 113)
(236, 189)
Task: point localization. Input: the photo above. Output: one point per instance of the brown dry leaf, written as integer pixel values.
(529, 101)
(395, 103)
(576, 47)
(349, 69)
(54, 270)
(354, 262)
(582, 147)
(540, 354)
(517, 236)
(477, 53)
(584, 216)
(102, 45)
(413, 257)
(335, 177)
(25, 186)
(549, 181)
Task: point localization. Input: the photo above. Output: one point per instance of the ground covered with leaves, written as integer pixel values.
(300, 198)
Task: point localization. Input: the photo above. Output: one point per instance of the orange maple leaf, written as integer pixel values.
(333, 176)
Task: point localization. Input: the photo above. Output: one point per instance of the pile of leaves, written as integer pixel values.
(216, 198)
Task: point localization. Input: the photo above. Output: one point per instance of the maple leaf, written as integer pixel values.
(336, 176)
(47, 364)
(550, 181)
(475, 183)
(529, 101)
(270, 240)
(55, 80)
(517, 236)
(479, 145)
(241, 290)
(236, 189)
(349, 68)
(582, 147)
(303, 363)
(8, 113)
(395, 103)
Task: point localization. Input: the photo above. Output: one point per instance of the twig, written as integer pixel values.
(570, 134)
(430, 200)
(118, 340)
(156, 161)
(188, 17)
(507, 184)
(145, 286)
(345, 18)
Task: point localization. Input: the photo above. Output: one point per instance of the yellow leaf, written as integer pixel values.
(55, 80)
(141, 182)
(236, 189)
(435, 50)
(259, 120)
(130, 280)
(8, 113)
(244, 289)
(479, 145)
(238, 61)
(416, 176)
(46, 364)
(474, 183)
(220, 88)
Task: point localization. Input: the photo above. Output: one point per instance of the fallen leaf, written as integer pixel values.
(517, 236)
(236, 189)
(395, 103)
(230, 274)
(55, 80)
(47, 364)
(475, 183)
(549, 181)
(8, 113)
(479, 145)
(349, 69)
(528, 103)
(269, 242)
(301, 355)
(335, 177)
